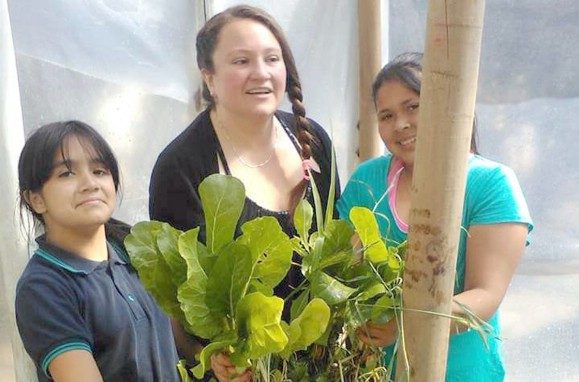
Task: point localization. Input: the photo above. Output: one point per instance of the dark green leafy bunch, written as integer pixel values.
(222, 290)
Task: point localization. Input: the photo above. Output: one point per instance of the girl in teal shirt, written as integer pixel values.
(495, 217)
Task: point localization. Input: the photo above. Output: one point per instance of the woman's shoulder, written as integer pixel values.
(192, 148)
(484, 169)
(193, 140)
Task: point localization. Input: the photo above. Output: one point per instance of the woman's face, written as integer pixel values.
(249, 75)
(397, 110)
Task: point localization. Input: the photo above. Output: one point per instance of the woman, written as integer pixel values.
(81, 311)
(247, 66)
(495, 218)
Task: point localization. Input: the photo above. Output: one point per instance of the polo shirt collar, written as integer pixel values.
(72, 262)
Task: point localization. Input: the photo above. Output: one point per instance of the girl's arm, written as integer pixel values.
(73, 366)
(492, 254)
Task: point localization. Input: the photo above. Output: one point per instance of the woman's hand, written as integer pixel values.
(378, 334)
(225, 371)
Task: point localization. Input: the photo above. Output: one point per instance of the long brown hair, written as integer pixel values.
(206, 43)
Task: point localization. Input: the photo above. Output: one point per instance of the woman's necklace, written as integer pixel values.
(238, 155)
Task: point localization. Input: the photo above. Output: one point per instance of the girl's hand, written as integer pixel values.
(378, 334)
(225, 371)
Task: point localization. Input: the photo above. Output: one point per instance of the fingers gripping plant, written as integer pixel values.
(222, 290)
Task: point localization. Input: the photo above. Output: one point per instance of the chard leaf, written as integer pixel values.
(205, 356)
(311, 262)
(229, 279)
(259, 321)
(331, 190)
(329, 289)
(200, 320)
(167, 241)
(154, 273)
(338, 234)
(308, 327)
(303, 219)
(383, 310)
(271, 249)
(189, 251)
(367, 228)
(299, 303)
(191, 294)
(372, 291)
(182, 369)
(222, 197)
(317, 203)
(206, 258)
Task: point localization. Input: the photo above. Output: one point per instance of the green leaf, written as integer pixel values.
(372, 291)
(182, 368)
(229, 279)
(329, 289)
(317, 204)
(206, 258)
(367, 228)
(154, 273)
(308, 327)
(189, 251)
(271, 249)
(205, 356)
(303, 219)
(167, 242)
(223, 197)
(383, 310)
(191, 294)
(201, 321)
(299, 303)
(311, 261)
(259, 321)
(331, 191)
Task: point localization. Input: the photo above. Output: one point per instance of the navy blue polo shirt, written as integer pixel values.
(65, 302)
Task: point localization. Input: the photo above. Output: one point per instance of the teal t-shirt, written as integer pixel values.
(493, 195)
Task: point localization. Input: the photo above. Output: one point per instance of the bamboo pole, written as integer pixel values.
(447, 100)
(369, 62)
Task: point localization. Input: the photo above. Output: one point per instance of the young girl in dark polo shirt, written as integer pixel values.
(81, 311)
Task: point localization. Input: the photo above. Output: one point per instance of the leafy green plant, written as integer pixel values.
(223, 290)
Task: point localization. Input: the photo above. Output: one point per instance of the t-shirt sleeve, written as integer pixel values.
(498, 198)
(49, 319)
(173, 197)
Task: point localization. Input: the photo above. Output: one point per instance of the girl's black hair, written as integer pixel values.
(406, 68)
(37, 157)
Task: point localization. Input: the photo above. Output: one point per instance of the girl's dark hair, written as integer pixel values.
(207, 40)
(406, 68)
(37, 157)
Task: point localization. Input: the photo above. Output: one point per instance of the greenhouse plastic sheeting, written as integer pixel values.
(128, 68)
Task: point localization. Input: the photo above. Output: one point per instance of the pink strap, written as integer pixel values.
(311, 165)
(393, 177)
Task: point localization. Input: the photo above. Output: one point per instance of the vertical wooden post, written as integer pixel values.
(447, 100)
(369, 62)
